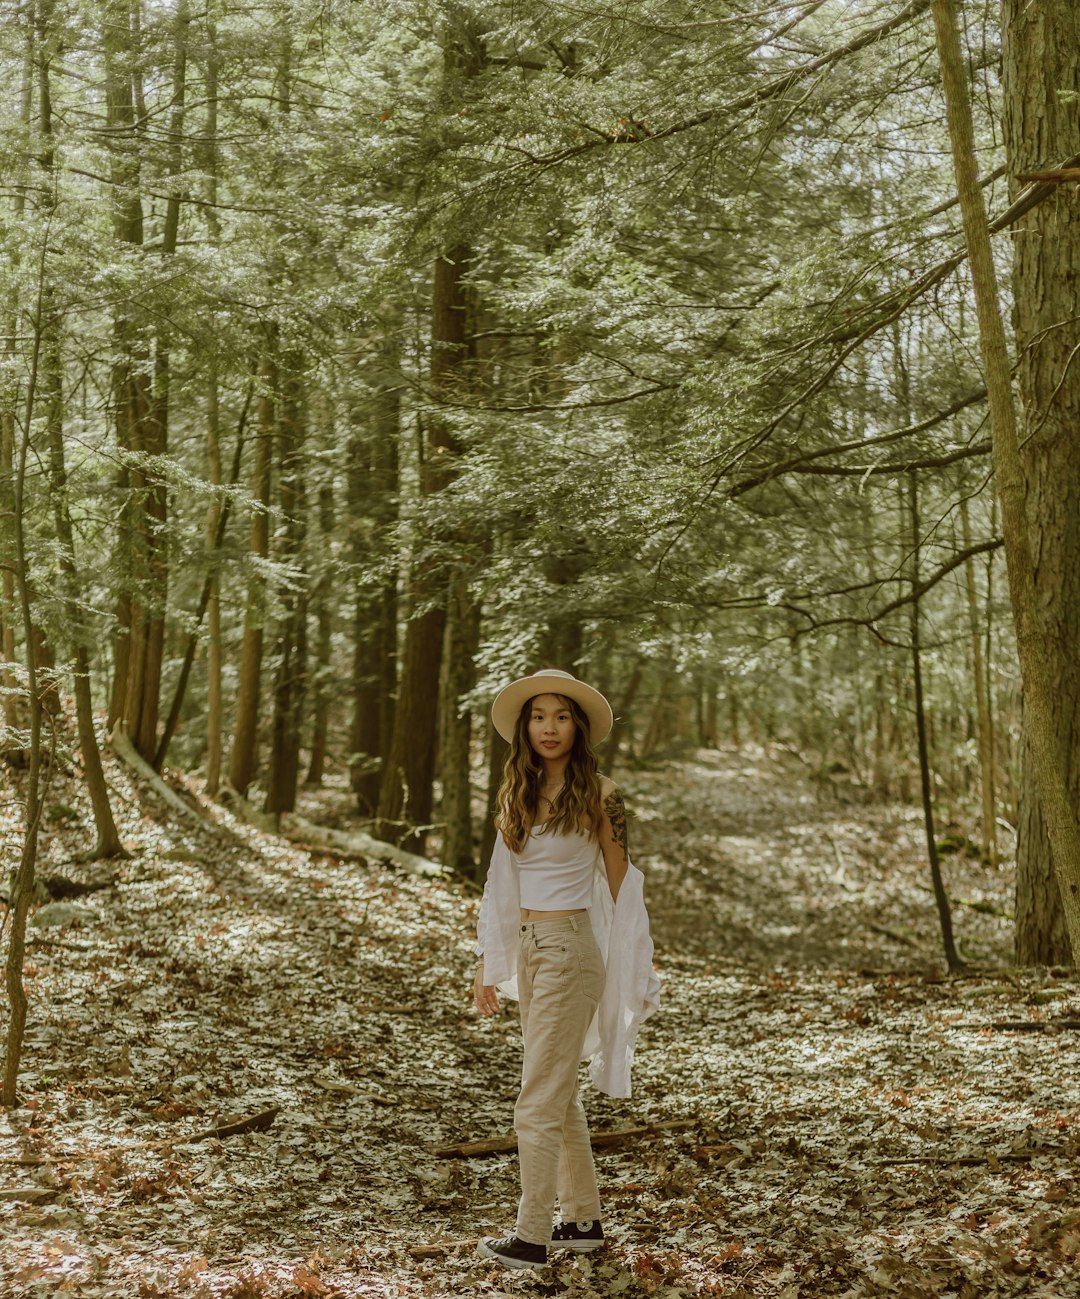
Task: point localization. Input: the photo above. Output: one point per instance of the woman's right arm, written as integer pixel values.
(485, 998)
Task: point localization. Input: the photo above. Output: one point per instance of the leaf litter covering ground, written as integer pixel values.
(857, 1127)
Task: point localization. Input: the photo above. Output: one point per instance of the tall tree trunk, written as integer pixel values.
(373, 509)
(613, 748)
(221, 519)
(984, 725)
(108, 839)
(143, 719)
(405, 795)
(1036, 615)
(23, 885)
(246, 722)
(1042, 128)
(8, 402)
(291, 656)
(131, 394)
(48, 329)
(497, 750)
(213, 598)
(462, 641)
(208, 154)
(322, 677)
(941, 897)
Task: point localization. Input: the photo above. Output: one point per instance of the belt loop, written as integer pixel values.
(574, 923)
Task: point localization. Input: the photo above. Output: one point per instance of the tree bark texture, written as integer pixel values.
(462, 640)
(322, 678)
(983, 719)
(140, 565)
(1038, 655)
(48, 330)
(290, 676)
(373, 496)
(1041, 40)
(8, 401)
(246, 721)
(405, 795)
(108, 838)
(214, 710)
(941, 897)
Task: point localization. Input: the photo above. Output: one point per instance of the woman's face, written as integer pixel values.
(551, 727)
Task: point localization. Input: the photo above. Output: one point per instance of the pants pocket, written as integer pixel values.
(591, 965)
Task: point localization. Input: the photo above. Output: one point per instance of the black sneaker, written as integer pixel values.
(512, 1251)
(578, 1236)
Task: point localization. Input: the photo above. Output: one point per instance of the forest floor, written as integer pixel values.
(845, 1120)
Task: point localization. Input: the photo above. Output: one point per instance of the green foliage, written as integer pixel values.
(683, 283)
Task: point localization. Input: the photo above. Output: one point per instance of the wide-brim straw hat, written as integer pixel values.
(551, 681)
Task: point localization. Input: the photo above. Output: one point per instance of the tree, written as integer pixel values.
(1041, 85)
(1037, 661)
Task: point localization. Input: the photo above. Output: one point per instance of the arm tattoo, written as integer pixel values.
(615, 809)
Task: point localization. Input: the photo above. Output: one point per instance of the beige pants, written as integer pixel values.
(560, 980)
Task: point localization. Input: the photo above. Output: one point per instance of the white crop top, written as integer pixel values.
(555, 871)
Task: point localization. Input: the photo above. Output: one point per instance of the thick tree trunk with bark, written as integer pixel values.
(405, 796)
(108, 839)
(140, 563)
(462, 640)
(1041, 40)
(48, 330)
(1040, 658)
(291, 655)
(372, 509)
(322, 678)
(246, 722)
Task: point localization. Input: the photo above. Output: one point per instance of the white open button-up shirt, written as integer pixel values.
(632, 988)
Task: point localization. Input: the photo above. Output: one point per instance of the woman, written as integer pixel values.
(563, 917)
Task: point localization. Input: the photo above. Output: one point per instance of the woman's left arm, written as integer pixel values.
(613, 835)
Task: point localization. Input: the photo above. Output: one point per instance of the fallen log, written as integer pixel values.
(507, 1145)
(334, 843)
(253, 1123)
(354, 843)
(29, 1194)
(124, 749)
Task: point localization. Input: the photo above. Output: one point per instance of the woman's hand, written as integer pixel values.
(485, 998)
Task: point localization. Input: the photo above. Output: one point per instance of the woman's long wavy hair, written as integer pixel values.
(577, 806)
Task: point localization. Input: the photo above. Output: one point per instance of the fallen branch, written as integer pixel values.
(30, 1194)
(972, 1161)
(334, 843)
(123, 748)
(438, 1251)
(253, 1123)
(1033, 1025)
(507, 1145)
(897, 935)
(354, 843)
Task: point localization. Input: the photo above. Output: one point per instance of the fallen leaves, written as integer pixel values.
(820, 1113)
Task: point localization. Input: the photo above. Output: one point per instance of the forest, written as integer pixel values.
(360, 356)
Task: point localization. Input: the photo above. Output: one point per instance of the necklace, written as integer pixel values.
(549, 801)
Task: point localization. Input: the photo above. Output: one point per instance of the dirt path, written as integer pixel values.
(834, 1089)
(749, 865)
